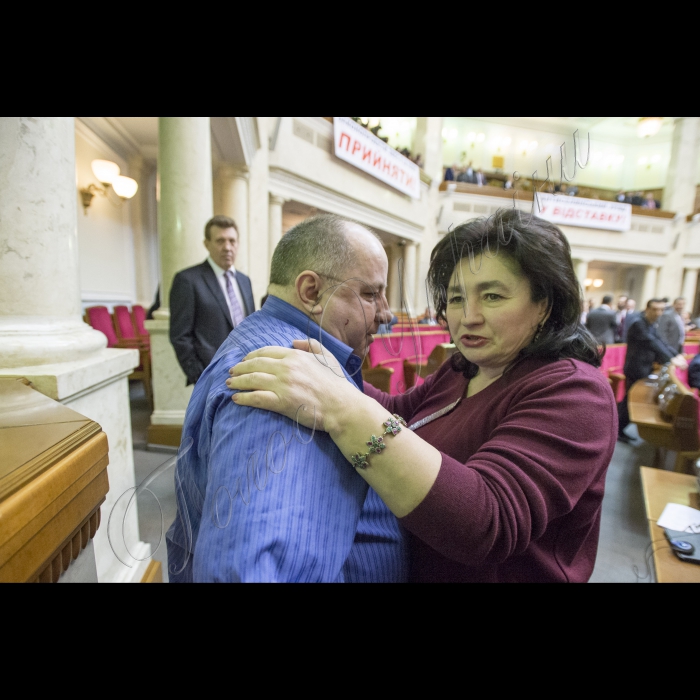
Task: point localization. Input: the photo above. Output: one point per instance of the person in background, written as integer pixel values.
(464, 175)
(261, 499)
(209, 300)
(428, 319)
(672, 326)
(602, 322)
(637, 200)
(622, 197)
(694, 373)
(508, 184)
(650, 201)
(419, 161)
(621, 318)
(632, 316)
(388, 328)
(644, 348)
(481, 179)
(689, 323)
(451, 174)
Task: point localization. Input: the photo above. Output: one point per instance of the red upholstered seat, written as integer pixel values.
(138, 315)
(101, 320)
(123, 323)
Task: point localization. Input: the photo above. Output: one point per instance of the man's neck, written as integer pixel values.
(218, 269)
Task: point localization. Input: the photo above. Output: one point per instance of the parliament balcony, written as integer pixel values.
(304, 168)
(646, 243)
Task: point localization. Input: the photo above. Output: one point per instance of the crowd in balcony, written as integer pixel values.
(639, 199)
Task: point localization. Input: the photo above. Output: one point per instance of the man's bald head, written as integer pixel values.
(326, 244)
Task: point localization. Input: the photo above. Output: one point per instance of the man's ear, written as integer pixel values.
(309, 287)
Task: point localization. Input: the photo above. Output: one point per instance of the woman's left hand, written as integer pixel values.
(304, 386)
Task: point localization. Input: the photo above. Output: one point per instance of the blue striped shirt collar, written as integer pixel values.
(282, 311)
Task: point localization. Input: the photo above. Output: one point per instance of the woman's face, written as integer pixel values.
(491, 313)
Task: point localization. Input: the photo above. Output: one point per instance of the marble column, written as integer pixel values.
(581, 267)
(186, 197)
(234, 198)
(651, 280)
(409, 278)
(690, 289)
(681, 183)
(276, 221)
(186, 204)
(42, 336)
(40, 309)
(679, 197)
(143, 263)
(427, 141)
(393, 294)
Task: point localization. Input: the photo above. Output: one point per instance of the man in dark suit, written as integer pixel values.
(672, 326)
(209, 300)
(644, 348)
(602, 322)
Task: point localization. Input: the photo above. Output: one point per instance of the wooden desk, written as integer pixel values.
(53, 481)
(660, 489)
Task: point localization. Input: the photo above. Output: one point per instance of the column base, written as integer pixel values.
(98, 388)
(45, 340)
(171, 395)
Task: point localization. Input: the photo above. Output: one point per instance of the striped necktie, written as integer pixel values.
(237, 314)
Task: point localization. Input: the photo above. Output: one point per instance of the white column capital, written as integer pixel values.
(277, 201)
(234, 172)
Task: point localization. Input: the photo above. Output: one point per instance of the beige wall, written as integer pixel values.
(105, 236)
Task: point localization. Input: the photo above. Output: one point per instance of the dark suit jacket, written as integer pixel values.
(602, 323)
(670, 331)
(644, 348)
(200, 320)
(694, 373)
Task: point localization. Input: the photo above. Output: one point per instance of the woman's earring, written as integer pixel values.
(540, 328)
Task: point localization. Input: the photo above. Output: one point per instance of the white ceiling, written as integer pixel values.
(144, 130)
(618, 128)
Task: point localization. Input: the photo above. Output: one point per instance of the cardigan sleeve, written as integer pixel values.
(553, 444)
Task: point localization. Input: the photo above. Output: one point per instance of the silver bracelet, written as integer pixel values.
(377, 444)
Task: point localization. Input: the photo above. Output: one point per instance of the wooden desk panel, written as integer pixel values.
(53, 480)
(660, 489)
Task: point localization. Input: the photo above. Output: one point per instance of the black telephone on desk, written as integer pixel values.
(686, 547)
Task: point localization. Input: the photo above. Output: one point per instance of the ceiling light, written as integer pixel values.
(649, 126)
(598, 284)
(481, 138)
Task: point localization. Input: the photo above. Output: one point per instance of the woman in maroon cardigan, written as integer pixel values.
(502, 474)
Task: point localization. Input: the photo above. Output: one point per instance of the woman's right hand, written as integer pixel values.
(306, 383)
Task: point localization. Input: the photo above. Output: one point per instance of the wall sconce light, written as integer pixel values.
(598, 283)
(588, 283)
(108, 174)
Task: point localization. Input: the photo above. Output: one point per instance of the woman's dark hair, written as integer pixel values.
(543, 255)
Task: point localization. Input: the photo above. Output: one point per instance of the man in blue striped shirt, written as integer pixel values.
(260, 498)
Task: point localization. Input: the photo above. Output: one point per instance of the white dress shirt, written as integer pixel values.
(221, 276)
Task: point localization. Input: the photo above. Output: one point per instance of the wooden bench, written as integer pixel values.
(438, 357)
(674, 429)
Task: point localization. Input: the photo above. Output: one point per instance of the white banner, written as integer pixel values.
(361, 148)
(587, 213)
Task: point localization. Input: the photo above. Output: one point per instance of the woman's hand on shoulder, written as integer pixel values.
(305, 383)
